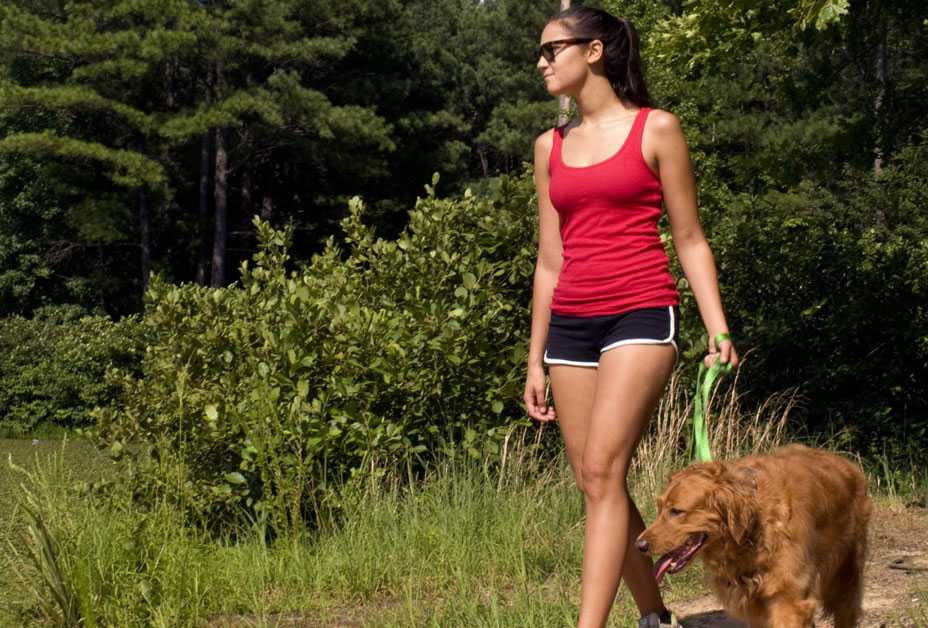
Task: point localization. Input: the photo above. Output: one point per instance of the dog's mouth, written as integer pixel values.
(676, 559)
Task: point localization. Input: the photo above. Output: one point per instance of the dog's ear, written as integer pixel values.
(742, 517)
(734, 501)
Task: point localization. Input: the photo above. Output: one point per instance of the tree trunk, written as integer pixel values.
(170, 99)
(246, 203)
(203, 241)
(145, 233)
(248, 195)
(267, 206)
(563, 101)
(880, 100)
(220, 198)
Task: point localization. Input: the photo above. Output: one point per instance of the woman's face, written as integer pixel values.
(566, 73)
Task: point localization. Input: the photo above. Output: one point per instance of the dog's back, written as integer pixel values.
(820, 500)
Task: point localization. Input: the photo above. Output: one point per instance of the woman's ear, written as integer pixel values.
(594, 51)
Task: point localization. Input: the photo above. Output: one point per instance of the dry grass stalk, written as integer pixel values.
(733, 431)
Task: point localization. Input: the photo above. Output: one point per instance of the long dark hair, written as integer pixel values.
(621, 55)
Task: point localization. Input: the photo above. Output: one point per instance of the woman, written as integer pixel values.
(605, 315)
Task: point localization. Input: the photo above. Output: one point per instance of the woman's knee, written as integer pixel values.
(578, 479)
(599, 479)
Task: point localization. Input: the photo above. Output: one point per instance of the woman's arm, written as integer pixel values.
(547, 268)
(679, 187)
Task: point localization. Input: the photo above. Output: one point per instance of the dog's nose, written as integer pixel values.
(642, 546)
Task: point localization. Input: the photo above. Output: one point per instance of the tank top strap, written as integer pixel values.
(555, 156)
(637, 133)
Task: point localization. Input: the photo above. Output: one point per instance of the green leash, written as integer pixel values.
(705, 379)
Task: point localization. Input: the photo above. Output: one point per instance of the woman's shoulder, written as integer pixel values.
(546, 138)
(544, 143)
(663, 122)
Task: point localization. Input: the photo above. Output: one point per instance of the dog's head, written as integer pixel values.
(705, 507)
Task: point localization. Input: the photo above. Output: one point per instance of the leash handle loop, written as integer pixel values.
(705, 380)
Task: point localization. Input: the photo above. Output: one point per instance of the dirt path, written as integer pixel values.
(898, 564)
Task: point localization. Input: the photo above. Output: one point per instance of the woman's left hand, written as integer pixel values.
(725, 351)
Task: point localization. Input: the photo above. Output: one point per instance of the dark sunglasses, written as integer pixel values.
(547, 50)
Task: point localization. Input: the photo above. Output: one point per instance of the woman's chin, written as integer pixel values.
(557, 88)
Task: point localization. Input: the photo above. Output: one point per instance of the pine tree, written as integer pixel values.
(128, 85)
(97, 69)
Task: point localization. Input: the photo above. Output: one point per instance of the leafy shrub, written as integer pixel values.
(256, 397)
(830, 287)
(53, 366)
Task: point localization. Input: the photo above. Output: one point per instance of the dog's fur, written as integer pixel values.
(785, 533)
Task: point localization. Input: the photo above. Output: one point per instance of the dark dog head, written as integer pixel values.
(706, 507)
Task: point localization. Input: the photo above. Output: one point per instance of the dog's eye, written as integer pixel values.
(675, 512)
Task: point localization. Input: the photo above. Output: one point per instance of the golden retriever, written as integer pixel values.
(779, 534)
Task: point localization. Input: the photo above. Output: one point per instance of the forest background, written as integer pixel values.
(183, 239)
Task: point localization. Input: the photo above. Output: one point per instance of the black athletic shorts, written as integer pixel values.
(579, 340)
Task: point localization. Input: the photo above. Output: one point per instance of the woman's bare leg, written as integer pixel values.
(574, 388)
(629, 382)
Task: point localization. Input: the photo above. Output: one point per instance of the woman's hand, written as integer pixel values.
(534, 397)
(723, 351)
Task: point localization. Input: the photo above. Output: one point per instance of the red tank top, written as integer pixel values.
(613, 257)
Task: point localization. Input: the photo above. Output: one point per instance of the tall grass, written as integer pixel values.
(495, 542)
(733, 432)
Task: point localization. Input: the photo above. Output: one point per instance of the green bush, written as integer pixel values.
(52, 372)
(255, 398)
(258, 398)
(829, 287)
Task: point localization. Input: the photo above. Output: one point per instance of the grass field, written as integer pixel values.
(79, 456)
(463, 548)
(466, 547)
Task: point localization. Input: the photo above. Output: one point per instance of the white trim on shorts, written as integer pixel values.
(548, 360)
(648, 341)
(628, 341)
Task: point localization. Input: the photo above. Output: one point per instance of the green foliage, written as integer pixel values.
(27, 213)
(820, 256)
(53, 236)
(380, 353)
(69, 97)
(821, 13)
(470, 526)
(127, 168)
(828, 288)
(473, 65)
(512, 123)
(53, 367)
(92, 558)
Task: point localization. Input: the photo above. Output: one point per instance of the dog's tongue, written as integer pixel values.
(663, 564)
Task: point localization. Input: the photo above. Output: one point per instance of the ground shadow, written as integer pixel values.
(712, 619)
